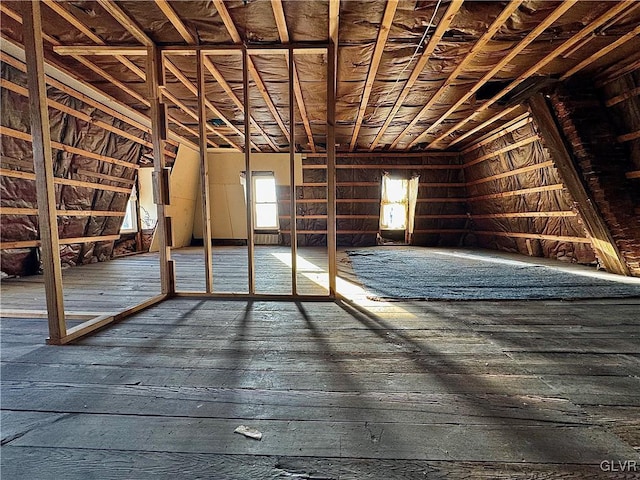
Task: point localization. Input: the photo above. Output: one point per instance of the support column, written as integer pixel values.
(293, 227)
(204, 176)
(594, 224)
(43, 167)
(155, 81)
(331, 165)
(248, 179)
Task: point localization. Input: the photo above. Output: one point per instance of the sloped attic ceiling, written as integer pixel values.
(411, 75)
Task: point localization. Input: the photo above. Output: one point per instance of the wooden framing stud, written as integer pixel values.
(43, 166)
(204, 175)
(155, 78)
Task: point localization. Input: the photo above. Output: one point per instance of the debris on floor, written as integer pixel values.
(249, 432)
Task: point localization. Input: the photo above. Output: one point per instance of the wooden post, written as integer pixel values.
(43, 166)
(155, 79)
(332, 57)
(248, 177)
(204, 175)
(594, 224)
(292, 172)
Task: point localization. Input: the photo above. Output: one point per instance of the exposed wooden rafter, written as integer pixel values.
(132, 27)
(586, 32)
(475, 50)
(383, 34)
(175, 20)
(186, 35)
(182, 78)
(442, 27)
(84, 29)
(485, 124)
(516, 50)
(234, 98)
(283, 33)
(127, 22)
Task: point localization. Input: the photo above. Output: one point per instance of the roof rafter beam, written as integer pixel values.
(283, 33)
(613, 12)
(441, 29)
(175, 20)
(132, 27)
(173, 17)
(383, 34)
(208, 64)
(123, 19)
(477, 48)
(524, 43)
(78, 58)
(182, 78)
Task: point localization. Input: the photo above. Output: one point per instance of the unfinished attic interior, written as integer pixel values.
(260, 239)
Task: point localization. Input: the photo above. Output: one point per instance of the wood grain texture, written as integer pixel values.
(388, 390)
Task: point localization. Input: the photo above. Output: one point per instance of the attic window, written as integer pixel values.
(130, 222)
(265, 201)
(393, 215)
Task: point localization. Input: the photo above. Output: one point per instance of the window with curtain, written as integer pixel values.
(130, 221)
(393, 204)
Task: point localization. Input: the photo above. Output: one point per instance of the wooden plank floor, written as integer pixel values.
(362, 390)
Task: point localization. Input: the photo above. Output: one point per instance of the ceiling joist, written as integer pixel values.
(477, 48)
(516, 50)
(586, 32)
(442, 27)
(381, 41)
(283, 33)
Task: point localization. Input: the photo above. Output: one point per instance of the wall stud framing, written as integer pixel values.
(155, 79)
(248, 177)
(292, 182)
(204, 174)
(43, 166)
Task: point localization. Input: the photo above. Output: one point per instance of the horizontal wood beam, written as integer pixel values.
(514, 193)
(628, 137)
(10, 132)
(97, 323)
(64, 181)
(511, 173)
(61, 213)
(537, 236)
(63, 241)
(99, 50)
(634, 92)
(633, 174)
(559, 213)
(506, 149)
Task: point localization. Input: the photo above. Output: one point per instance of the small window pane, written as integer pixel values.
(266, 215)
(396, 190)
(129, 224)
(265, 189)
(394, 216)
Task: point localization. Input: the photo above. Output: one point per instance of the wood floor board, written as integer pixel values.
(341, 390)
(378, 440)
(79, 464)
